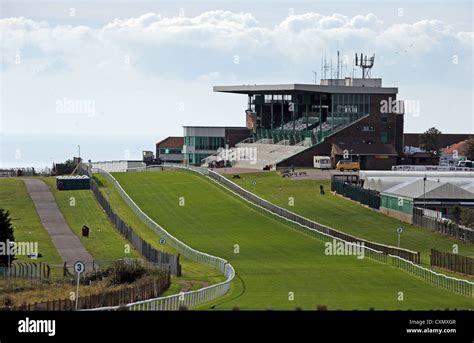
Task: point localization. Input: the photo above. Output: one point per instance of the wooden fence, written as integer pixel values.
(26, 270)
(356, 193)
(453, 262)
(121, 296)
(160, 258)
(443, 226)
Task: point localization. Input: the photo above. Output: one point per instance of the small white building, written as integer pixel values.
(119, 165)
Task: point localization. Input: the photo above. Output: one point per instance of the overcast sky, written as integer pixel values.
(117, 76)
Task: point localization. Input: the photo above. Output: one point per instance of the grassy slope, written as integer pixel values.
(15, 198)
(274, 259)
(191, 271)
(347, 216)
(104, 242)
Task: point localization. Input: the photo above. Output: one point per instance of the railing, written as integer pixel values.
(321, 232)
(161, 259)
(454, 262)
(429, 168)
(27, 270)
(443, 226)
(284, 213)
(184, 299)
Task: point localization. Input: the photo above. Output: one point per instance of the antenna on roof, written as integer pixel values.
(365, 63)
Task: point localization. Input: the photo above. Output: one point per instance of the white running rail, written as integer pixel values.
(455, 285)
(183, 299)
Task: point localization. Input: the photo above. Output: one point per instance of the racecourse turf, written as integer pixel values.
(27, 225)
(277, 267)
(302, 196)
(192, 272)
(79, 207)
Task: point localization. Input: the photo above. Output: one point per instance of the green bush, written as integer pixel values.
(129, 271)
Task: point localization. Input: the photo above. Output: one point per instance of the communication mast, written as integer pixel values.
(365, 63)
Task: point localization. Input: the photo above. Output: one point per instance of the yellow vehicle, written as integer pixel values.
(348, 165)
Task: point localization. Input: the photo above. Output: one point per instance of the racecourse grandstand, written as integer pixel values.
(291, 123)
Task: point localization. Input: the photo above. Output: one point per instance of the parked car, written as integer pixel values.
(322, 162)
(348, 165)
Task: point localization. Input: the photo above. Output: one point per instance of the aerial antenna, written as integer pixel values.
(365, 63)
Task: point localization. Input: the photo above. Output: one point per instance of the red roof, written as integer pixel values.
(171, 142)
(365, 149)
(460, 147)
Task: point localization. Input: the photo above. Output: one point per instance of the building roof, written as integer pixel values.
(365, 149)
(72, 177)
(171, 142)
(445, 139)
(460, 147)
(216, 127)
(296, 87)
(430, 189)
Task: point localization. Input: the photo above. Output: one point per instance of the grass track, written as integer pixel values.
(345, 215)
(191, 271)
(104, 242)
(28, 228)
(274, 260)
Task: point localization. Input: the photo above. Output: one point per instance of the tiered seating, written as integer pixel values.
(299, 124)
(266, 154)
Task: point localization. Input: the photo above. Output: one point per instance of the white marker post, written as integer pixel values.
(79, 267)
(399, 232)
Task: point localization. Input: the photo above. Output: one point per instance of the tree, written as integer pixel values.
(429, 141)
(69, 165)
(6, 235)
(467, 217)
(470, 149)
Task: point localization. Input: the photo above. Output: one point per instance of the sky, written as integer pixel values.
(115, 77)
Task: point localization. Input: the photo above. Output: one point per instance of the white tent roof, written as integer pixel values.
(388, 182)
(363, 174)
(430, 190)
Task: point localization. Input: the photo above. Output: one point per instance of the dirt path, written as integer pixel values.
(66, 242)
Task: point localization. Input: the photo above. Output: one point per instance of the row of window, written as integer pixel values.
(195, 158)
(164, 151)
(204, 143)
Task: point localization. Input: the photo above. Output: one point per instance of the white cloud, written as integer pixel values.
(300, 37)
(134, 67)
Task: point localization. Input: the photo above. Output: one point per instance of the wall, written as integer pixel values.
(354, 135)
(117, 166)
(405, 217)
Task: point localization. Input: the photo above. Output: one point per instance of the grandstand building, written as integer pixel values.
(170, 149)
(343, 118)
(203, 141)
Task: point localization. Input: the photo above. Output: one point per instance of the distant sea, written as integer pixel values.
(40, 151)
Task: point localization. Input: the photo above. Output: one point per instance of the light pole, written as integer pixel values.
(424, 192)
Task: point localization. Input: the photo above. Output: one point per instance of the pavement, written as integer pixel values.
(66, 242)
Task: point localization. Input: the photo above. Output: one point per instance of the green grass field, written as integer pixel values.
(345, 215)
(104, 242)
(192, 272)
(274, 261)
(28, 228)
